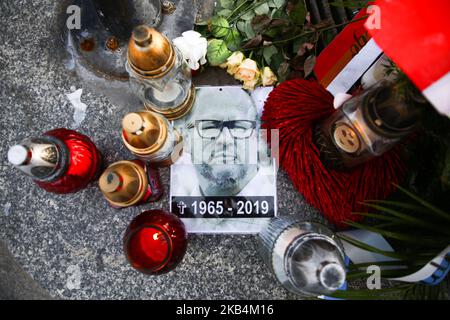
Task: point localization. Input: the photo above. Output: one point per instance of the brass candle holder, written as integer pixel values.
(150, 137)
(127, 183)
(158, 74)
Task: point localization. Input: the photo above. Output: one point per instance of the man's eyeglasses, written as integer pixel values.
(211, 129)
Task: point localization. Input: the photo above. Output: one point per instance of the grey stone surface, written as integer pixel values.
(72, 244)
(15, 284)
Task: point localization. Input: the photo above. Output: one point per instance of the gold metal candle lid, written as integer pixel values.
(150, 53)
(144, 132)
(346, 138)
(123, 183)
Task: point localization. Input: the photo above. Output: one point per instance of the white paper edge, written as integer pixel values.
(355, 68)
(357, 255)
(427, 270)
(439, 94)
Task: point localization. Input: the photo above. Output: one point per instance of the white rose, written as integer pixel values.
(234, 61)
(250, 84)
(193, 48)
(247, 71)
(268, 77)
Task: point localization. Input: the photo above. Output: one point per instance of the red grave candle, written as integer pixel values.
(155, 242)
(59, 161)
(84, 162)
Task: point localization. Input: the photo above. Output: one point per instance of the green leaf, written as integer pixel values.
(394, 221)
(279, 14)
(426, 204)
(241, 26)
(367, 294)
(246, 28)
(387, 225)
(395, 263)
(276, 61)
(278, 23)
(262, 9)
(406, 237)
(310, 62)
(248, 15)
(298, 12)
(268, 52)
(298, 64)
(414, 291)
(261, 22)
(283, 71)
(233, 39)
(227, 4)
(370, 248)
(409, 220)
(411, 207)
(276, 28)
(351, 4)
(273, 32)
(224, 13)
(253, 43)
(327, 36)
(219, 27)
(217, 52)
(276, 3)
(297, 44)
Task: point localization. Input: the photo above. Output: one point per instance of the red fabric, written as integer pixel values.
(415, 34)
(344, 47)
(293, 108)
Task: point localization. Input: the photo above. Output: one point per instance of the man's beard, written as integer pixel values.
(223, 180)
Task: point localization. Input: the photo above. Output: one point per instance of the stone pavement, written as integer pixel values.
(72, 245)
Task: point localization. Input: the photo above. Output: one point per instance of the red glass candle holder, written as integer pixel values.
(84, 162)
(155, 242)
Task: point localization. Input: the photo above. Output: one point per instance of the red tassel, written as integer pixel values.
(293, 108)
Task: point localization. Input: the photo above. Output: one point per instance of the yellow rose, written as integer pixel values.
(268, 77)
(234, 61)
(250, 84)
(247, 71)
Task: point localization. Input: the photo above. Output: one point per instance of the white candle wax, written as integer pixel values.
(170, 93)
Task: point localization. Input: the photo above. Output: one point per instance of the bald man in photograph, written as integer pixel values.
(221, 141)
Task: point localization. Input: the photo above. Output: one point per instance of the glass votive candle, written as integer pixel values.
(155, 242)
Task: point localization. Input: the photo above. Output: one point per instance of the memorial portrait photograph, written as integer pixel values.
(225, 155)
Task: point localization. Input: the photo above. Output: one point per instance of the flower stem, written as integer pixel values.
(248, 9)
(235, 10)
(308, 33)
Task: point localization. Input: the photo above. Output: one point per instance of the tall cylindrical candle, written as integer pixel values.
(305, 257)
